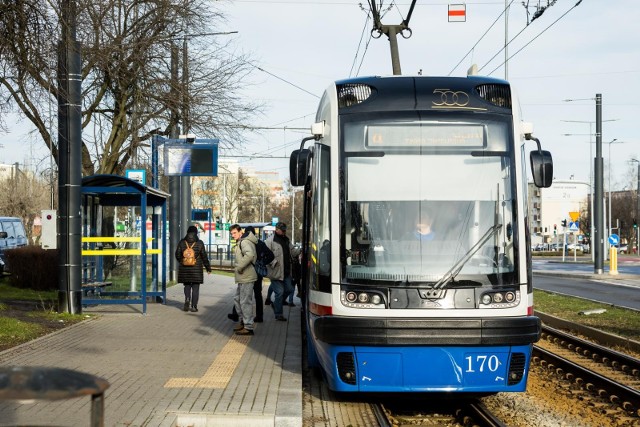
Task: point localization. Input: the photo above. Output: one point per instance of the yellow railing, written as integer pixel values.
(121, 252)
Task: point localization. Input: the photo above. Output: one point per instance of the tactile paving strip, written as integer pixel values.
(221, 369)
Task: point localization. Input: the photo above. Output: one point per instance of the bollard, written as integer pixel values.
(40, 383)
(613, 261)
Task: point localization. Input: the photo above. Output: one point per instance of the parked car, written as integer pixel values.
(12, 235)
(623, 249)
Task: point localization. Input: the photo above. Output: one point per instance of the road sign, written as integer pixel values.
(614, 239)
(574, 226)
(574, 216)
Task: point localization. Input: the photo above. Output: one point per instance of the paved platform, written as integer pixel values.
(172, 368)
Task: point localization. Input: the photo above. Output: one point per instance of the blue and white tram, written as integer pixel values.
(388, 309)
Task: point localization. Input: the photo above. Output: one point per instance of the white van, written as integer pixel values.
(12, 235)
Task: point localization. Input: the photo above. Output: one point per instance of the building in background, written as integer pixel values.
(548, 207)
(9, 171)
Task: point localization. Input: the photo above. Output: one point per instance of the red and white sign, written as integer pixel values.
(457, 13)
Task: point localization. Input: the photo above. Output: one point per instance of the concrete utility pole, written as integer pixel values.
(70, 178)
(598, 243)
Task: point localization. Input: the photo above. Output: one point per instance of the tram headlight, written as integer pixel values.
(363, 297)
(375, 299)
(510, 296)
(351, 296)
(498, 297)
(486, 299)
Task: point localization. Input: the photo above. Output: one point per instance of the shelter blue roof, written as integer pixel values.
(116, 190)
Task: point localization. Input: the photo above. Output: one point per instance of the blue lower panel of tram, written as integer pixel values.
(478, 369)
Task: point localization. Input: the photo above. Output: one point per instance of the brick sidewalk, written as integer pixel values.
(171, 368)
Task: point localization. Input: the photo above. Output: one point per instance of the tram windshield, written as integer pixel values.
(428, 201)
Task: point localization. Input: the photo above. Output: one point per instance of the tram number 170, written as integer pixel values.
(483, 363)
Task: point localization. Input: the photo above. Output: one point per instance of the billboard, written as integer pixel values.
(182, 159)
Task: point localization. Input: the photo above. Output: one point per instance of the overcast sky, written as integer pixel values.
(304, 45)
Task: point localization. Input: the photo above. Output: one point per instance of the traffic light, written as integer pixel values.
(555, 229)
(635, 224)
(564, 223)
(218, 223)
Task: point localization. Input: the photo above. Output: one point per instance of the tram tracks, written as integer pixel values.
(597, 371)
(464, 412)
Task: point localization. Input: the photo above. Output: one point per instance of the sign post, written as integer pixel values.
(613, 254)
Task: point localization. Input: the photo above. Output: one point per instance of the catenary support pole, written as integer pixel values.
(70, 154)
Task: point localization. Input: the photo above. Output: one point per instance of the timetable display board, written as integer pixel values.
(191, 159)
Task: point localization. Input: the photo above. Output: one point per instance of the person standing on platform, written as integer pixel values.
(192, 258)
(245, 277)
(280, 268)
(257, 293)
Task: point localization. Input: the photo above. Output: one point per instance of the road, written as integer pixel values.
(578, 279)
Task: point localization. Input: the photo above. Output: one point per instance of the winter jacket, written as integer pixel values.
(275, 270)
(245, 252)
(192, 273)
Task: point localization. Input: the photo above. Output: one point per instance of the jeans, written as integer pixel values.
(244, 303)
(282, 289)
(289, 290)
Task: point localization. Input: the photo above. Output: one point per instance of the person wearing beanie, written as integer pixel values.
(191, 276)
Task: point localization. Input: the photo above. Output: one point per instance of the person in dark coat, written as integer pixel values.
(191, 275)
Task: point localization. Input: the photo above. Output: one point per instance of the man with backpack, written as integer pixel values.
(279, 270)
(264, 257)
(245, 277)
(192, 257)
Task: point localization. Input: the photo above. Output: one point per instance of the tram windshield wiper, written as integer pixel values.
(457, 267)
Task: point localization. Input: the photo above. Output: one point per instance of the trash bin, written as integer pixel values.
(40, 383)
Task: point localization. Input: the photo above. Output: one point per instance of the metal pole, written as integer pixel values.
(293, 218)
(224, 197)
(591, 188)
(185, 181)
(174, 182)
(599, 226)
(609, 167)
(637, 213)
(506, 40)
(70, 161)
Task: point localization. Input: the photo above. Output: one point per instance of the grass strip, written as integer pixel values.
(615, 320)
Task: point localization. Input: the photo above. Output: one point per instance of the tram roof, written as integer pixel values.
(398, 93)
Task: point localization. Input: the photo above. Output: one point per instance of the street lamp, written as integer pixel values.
(597, 167)
(591, 177)
(637, 216)
(615, 140)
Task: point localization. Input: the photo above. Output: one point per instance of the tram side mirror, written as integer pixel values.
(542, 168)
(299, 166)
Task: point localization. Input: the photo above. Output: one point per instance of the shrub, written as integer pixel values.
(34, 268)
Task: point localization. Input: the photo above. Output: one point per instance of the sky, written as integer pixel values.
(568, 52)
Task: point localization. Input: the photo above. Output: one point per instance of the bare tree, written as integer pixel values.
(135, 80)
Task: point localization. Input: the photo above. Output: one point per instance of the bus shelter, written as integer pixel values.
(138, 241)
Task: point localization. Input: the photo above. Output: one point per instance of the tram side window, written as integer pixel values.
(322, 214)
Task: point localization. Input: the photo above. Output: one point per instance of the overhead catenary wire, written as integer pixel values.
(480, 39)
(538, 35)
(355, 58)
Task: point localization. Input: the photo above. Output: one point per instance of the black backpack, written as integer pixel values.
(264, 257)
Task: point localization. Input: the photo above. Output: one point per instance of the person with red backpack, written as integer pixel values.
(192, 258)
